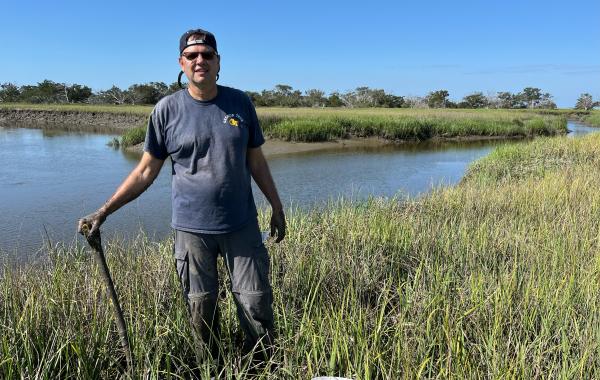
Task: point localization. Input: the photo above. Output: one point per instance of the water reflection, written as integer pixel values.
(310, 179)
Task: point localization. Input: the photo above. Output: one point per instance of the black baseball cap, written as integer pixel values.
(209, 39)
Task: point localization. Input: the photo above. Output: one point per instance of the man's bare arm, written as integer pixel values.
(262, 176)
(135, 184)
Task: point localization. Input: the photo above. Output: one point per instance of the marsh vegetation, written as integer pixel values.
(496, 277)
(325, 124)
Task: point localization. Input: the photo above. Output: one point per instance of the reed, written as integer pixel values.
(323, 124)
(133, 136)
(494, 278)
(593, 118)
(410, 125)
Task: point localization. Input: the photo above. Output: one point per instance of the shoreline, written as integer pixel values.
(99, 122)
(121, 122)
(276, 147)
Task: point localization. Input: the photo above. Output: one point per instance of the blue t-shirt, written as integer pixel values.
(207, 142)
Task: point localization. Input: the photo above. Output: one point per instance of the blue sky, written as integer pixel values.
(406, 48)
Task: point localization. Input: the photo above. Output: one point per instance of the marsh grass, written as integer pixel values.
(323, 124)
(495, 278)
(400, 124)
(593, 118)
(133, 136)
(512, 162)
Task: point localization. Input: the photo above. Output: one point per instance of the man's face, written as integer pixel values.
(201, 64)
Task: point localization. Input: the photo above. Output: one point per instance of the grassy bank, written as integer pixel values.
(133, 136)
(91, 108)
(315, 124)
(593, 118)
(496, 278)
(405, 124)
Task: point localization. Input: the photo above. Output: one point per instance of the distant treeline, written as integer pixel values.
(283, 95)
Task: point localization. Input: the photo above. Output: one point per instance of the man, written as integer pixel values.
(213, 137)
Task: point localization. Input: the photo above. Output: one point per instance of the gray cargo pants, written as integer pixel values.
(247, 263)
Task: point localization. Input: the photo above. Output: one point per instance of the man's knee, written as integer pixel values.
(256, 308)
(203, 307)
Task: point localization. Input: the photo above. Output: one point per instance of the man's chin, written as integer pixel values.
(201, 76)
(203, 82)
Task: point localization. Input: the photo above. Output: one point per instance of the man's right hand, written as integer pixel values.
(93, 222)
(278, 225)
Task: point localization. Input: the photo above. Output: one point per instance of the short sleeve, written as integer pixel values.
(155, 142)
(255, 134)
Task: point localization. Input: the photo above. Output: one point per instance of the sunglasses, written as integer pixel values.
(206, 55)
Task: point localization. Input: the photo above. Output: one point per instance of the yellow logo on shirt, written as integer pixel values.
(233, 120)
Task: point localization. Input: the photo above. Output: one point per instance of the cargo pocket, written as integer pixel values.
(262, 262)
(182, 266)
(263, 266)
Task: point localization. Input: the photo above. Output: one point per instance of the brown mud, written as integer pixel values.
(274, 147)
(71, 120)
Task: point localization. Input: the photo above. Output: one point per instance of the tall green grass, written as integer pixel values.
(133, 136)
(310, 124)
(593, 118)
(322, 125)
(512, 162)
(418, 127)
(495, 278)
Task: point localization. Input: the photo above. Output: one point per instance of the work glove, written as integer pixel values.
(93, 222)
(278, 225)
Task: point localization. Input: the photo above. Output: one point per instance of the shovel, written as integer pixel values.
(96, 244)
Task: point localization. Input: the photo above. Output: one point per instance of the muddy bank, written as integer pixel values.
(273, 147)
(71, 120)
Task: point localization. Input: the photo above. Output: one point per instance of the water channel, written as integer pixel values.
(49, 179)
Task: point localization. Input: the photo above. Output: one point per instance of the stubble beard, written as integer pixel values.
(207, 84)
